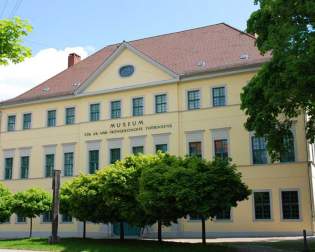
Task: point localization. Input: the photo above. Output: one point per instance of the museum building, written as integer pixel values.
(178, 93)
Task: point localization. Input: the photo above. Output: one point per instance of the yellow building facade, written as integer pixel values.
(133, 103)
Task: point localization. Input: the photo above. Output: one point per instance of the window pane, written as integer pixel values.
(221, 148)
(137, 106)
(290, 205)
(160, 103)
(193, 99)
(20, 219)
(288, 155)
(93, 161)
(262, 205)
(24, 167)
(11, 122)
(137, 150)
(70, 115)
(47, 217)
(195, 149)
(218, 96)
(50, 163)
(27, 120)
(94, 112)
(161, 147)
(114, 155)
(51, 118)
(259, 150)
(8, 168)
(68, 164)
(115, 109)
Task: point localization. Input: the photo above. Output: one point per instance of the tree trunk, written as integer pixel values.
(122, 231)
(159, 230)
(84, 229)
(31, 227)
(203, 223)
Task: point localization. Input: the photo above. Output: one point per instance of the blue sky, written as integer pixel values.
(97, 23)
(61, 27)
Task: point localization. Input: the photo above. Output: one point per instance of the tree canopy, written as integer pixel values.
(5, 203)
(284, 88)
(12, 32)
(31, 203)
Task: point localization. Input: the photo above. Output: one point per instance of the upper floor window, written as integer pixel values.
(288, 155)
(126, 71)
(114, 155)
(27, 121)
(68, 164)
(25, 163)
(218, 96)
(290, 205)
(195, 149)
(115, 109)
(259, 150)
(160, 103)
(193, 99)
(8, 167)
(137, 106)
(93, 160)
(70, 115)
(11, 122)
(49, 165)
(94, 112)
(51, 118)
(262, 205)
(221, 148)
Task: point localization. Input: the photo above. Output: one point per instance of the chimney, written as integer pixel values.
(73, 58)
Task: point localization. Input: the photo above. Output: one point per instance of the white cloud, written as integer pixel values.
(16, 79)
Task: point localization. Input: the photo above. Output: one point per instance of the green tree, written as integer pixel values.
(11, 33)
(79, 198)
(119, 190)
(31, 203)
(5, 203)
(284, 87)
(205, 188)
(156, 196)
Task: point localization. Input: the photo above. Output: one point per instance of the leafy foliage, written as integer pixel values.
(5, 203)
(32, 202)
(11, 33)
(284, 88)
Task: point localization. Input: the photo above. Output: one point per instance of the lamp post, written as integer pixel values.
(56, 202)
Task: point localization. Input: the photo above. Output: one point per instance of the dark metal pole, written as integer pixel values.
(305, 242)
(55, 213)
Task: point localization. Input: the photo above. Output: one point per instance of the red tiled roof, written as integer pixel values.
(219, 46)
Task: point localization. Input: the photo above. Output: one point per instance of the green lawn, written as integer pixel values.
(89, 245)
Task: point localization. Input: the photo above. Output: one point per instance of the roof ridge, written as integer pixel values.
(236, 29)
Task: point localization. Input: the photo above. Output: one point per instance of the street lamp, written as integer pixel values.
(56, 202)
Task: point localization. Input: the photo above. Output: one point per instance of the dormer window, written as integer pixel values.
(126, 71)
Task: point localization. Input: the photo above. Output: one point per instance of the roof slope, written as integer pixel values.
(219, 46)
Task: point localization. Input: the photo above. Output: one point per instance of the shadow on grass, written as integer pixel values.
(110, 245)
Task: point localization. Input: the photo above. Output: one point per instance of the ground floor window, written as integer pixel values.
(93, 160)
(49, 165)
(20, 219)
(8, 168)
(24, 167)
(66, 218)
(221, 148)
(225, 214)
(290, 205)
(262, 205)
(114, 155)
(68, 164)
(137, 150)
(47, 217)
(195, 149)
(161, 147)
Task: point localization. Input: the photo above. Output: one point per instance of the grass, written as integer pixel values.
(90, 245)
